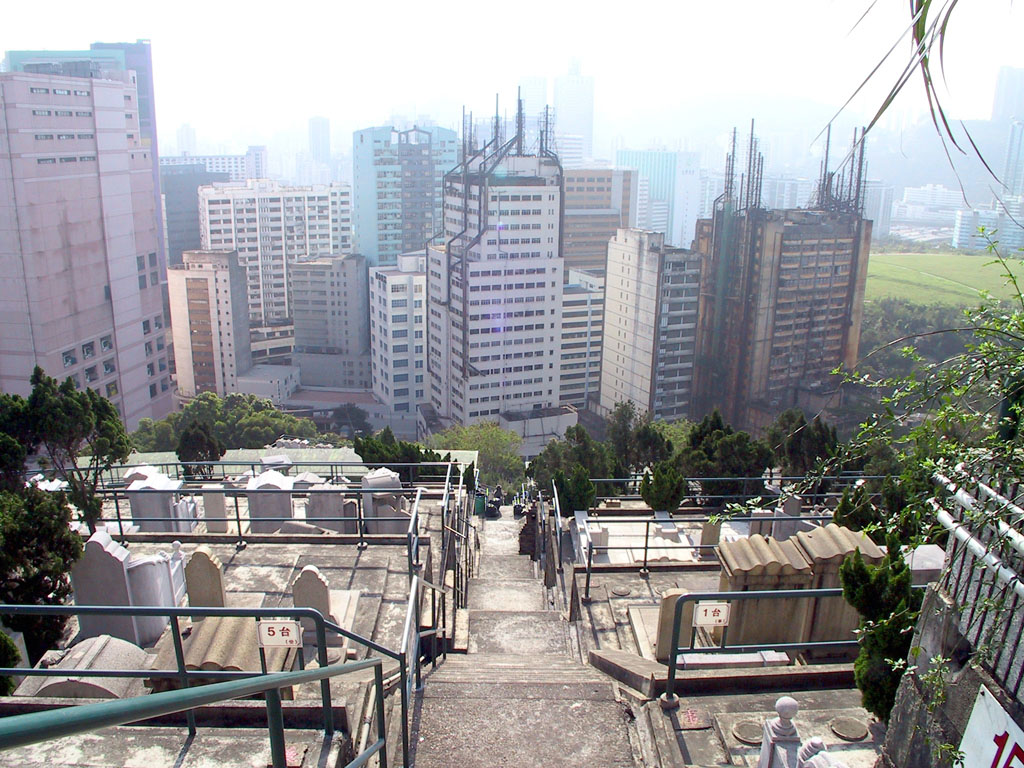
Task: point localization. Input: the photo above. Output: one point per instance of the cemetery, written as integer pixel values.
(726, 639)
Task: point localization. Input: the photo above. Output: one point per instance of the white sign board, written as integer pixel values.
(279, 634)
(992, 739)
(712, 614)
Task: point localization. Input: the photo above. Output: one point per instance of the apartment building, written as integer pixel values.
(495, 289)
(397, 178)
(398, 299)
(330, 310)
(209, 322)
(598, 201)
(582, 331)
(251, 165)
(652, 295)
(273, 227)
(79, 242)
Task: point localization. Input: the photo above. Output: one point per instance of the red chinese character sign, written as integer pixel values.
(279, 634)
(711, 614)
(992, 739)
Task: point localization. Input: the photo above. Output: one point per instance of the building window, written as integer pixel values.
(44, 136)
(150, 370)
(108, 366)
(152, 390)
(41, 112)
(61, 92)
(69, 358)
(46, 161)
(145, 326)
(88, 350)
(105, 343)
(38, 90)
(112, 389)
(91, 375)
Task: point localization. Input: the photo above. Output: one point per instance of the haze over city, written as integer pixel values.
(674, 75)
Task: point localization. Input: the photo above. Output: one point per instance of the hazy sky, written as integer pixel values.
(244, 72)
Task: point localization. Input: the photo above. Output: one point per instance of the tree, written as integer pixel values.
(622, 424)
(15, 440)
(652, 446)
(716, 450)
(82, 436)
(237, 421)
(498, 449)
(385, 450)
(575, 492)
(664, 488)
(798, 446)
(351, 420)
(888, 607)
(577, 447)
(10, 656)
(197, 444)
(37, 550)
(469, 478)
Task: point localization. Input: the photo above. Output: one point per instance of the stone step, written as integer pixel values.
(490, 594)
(523, 632)
(496, 690)
(506, 567)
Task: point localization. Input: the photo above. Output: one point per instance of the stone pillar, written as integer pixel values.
(780, 742)
(666, 614)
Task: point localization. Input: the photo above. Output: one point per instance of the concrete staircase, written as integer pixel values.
(520, 695)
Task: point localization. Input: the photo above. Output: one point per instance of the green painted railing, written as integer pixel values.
(20, 730)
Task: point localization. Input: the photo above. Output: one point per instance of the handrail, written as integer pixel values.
(755, 594)
(321, 625)
(33, 727)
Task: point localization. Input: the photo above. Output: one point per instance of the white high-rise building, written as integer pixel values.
(273, 226)
(582, 328)
(83, 280)
(209, 322)
(495, 290)
(251, 165)
(397, 333)
(574, 107)
(650, 325)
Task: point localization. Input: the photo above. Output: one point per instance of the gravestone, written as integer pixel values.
(149, 583)
(100, 577)
(214, 508)
(140, 473)
(759, 563)
(325, 509)
(204, 579)
(270, 501)
(710, 535)
(381, 498)
(666, 614)
(311, 590)
(832, 618)
(926, 563)
(100, 652)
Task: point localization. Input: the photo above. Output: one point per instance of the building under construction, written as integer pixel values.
(782, 294)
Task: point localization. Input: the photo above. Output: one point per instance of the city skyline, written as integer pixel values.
(777, 66)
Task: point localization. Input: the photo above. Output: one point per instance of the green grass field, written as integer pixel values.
(938, 278)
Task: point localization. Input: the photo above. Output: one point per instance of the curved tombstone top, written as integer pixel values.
(757, 555)
(156, 482)
(140, 473)
(312, 478)
(834, 542)
(270, 479)
(99, 652)
(382, 478)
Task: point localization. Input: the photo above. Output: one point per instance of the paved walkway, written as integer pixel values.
(519, 696)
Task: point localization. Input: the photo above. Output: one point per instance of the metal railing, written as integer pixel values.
(985, 576)
(216, 471)
(408, 664)
(589, 548)
(730, 597)
(34, 727)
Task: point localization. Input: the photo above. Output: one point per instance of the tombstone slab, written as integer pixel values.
(204, 579)
(100, 577)
(100, 652)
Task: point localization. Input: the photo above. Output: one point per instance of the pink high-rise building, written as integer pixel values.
(82, 291)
